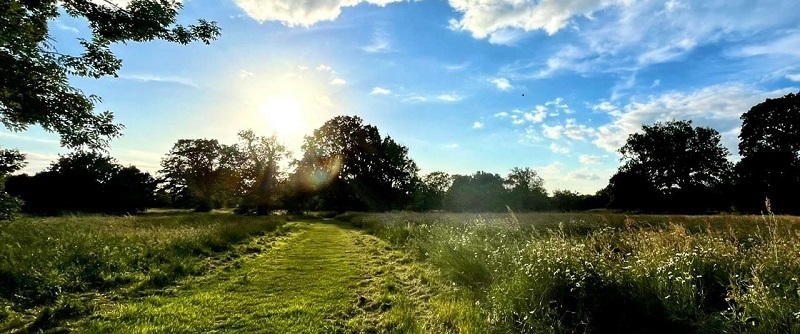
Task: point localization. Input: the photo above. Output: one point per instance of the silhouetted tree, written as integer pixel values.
(476, 193)
(430, 191)
(769, 146)
(526, 190)
(10, 162)
(84, 182)
(633, 191)
(260, 171)
(350, 167)
(205, 169)
(686, 164)
(34, 85)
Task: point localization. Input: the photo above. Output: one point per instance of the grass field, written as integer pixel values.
(63, 267)
(610, 273)
(169, 272)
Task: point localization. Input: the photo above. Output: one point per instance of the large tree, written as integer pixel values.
(479, 192)
(352, 167)
(205, 169)
(686, 163)
(34, 76)
(429, 191)
(260, 171)
(770, 150)
(526, 190)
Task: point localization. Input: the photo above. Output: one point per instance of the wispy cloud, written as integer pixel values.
(27, 138)
(380, 91)
(502, 83)
(243, 74)
(162, 79)
(324, 68)
(450, 97)
(380, 43)
(477, 125)
(338, 82)
(590, 159)
(457, 67)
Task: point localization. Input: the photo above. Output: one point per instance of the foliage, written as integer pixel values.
(349, 166)
(430, 190)
(203, 169)
(526, 190)
(611, 273)
(769, 146)
(34, 78)
(476, 193)
(686, 164)
(10, 162)
(260, 171)
(84, 182)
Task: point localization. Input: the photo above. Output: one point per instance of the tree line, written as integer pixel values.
(347, 165)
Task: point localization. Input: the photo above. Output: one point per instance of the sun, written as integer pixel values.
(283, 114)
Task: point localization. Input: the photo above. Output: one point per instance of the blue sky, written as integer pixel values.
(447, 78)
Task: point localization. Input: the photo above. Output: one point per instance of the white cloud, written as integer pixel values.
(245, 74)
(502, 83)
(501, 114)
(300, 13)
(324, 68)
(787, 45)
(559, 149)
(158, 78)
(553, 132)
(590, 159)
(337, 82)
(27, 138)
(451, 146)
(380, 91)
(630, 35)
(457, 67)
(718, 106)
(489, 17)
(380, 43)
(477, 125)
(450, 97)
(793, 77)
(535, 116)
(415, 98)
(583, 174)
(302, 68)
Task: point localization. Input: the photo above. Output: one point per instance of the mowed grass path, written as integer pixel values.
(305, 283)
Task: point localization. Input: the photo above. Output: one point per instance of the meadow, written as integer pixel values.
(596, 272)
(54, 268)
(604, 272)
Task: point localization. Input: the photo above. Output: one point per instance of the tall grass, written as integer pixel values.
(536, 273)
(44, 259)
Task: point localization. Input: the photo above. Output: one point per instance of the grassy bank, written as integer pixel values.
(610, 273)
(49, 267)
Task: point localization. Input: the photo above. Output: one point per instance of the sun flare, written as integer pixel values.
(283, 114)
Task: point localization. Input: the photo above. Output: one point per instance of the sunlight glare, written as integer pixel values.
(284, 115)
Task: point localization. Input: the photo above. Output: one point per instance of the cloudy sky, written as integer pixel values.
(467, 85)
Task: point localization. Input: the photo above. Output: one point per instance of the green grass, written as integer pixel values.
(565, 273)
(323, 278)
(61, 267)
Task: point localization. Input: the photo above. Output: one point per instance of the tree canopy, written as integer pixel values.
(352, 167)
(769, 146)
(34, 78)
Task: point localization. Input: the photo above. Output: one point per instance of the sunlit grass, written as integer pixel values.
(610, 273)
(47, 264)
